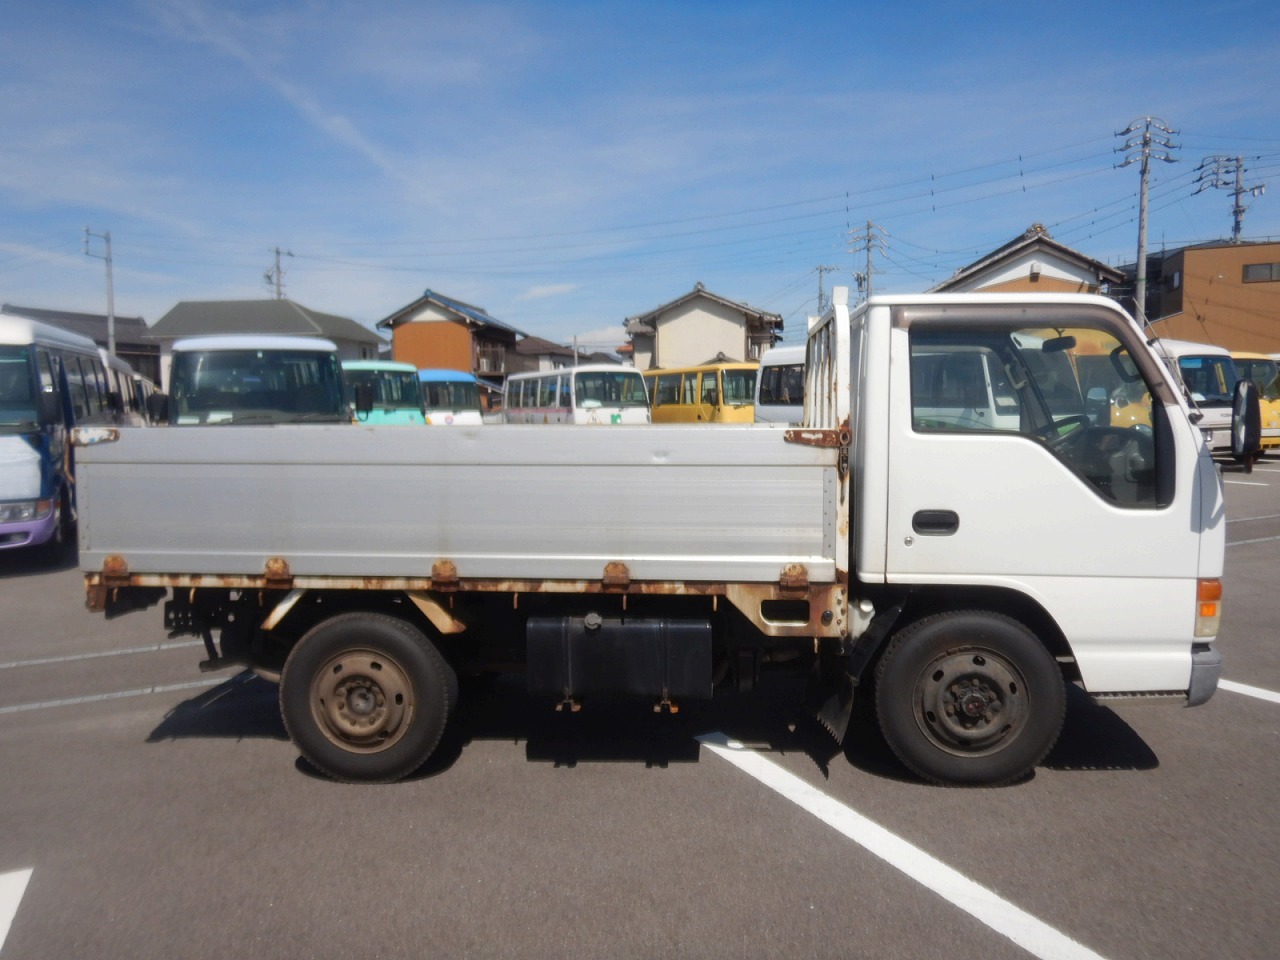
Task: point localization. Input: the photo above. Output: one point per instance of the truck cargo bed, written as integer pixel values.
(504, 502)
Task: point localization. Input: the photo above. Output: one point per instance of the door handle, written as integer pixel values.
(935, 523)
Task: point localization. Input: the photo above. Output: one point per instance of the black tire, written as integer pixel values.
(54, 550)
(365, 697)
(969, 698)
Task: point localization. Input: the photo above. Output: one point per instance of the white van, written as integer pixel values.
(780, 386)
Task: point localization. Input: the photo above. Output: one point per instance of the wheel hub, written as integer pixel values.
(970, 703)
(362, 701)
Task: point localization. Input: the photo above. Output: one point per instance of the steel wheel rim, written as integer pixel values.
(362, 700)
(971, 702)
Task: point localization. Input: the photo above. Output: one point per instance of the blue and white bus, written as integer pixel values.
(50, 381)
(450, 398)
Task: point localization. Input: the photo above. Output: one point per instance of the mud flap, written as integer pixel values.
(829, 694)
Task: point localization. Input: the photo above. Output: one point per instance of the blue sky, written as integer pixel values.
(568, 164)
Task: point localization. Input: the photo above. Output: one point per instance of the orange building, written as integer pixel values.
(436, 331)
(1222, 293)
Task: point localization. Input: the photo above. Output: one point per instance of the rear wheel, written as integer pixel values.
(969, 698)
(365, 697)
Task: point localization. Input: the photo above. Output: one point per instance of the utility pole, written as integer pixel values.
(822, 297)
(275, 276)
(1144, 145)
(870, 239)
(1227, 173)
(105, 237)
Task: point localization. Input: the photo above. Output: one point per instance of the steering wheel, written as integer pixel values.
(1051, 433)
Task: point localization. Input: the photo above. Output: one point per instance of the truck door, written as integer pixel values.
(1039, 499)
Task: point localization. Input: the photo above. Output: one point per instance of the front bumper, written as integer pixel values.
(1206, 669)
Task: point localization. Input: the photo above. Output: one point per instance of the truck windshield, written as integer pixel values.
(256, 386)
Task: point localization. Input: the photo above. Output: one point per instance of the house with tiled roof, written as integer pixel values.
(1033, 262)
(697, 325)
(435, 331)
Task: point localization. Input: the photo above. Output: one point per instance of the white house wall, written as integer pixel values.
(697, 331)
(1051, 267)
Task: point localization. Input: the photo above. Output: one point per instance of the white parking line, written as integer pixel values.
(71, 657)
(118, 695)
(1249, 691)
(1244, 543)
(1267, 516)
(12, 887)
(1246, 483)
(1033, 935)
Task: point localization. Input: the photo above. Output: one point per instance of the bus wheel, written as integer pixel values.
(969, 698)
(365, 697)
(54, 549)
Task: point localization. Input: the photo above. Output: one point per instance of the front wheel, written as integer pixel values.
(969, 698)
(365, 697)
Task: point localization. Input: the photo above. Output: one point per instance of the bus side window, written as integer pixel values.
(668, 390)
(75, 383)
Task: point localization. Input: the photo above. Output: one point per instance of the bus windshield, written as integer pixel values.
(1263, 373)
(739, 386)
(1211, 379)
(455, 395)
(393, 395)
(601, 388)
(256, 386)
(17, 399)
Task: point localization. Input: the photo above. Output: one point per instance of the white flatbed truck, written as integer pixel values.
(959, 565)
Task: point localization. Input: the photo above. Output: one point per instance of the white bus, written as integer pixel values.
(1210, 376)
(591, 393)
(244, 378)
(451, 398)
(780, 386)
(127, 391)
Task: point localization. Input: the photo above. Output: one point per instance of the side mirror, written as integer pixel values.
(158, 407)
(364, 400)
(49, 408)
(1246, 424)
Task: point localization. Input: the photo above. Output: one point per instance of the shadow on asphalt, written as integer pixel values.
(1095, 738)
(243, 707)
(771, 720)
(35, 562)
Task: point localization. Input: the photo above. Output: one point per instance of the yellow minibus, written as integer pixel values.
(709, 393)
